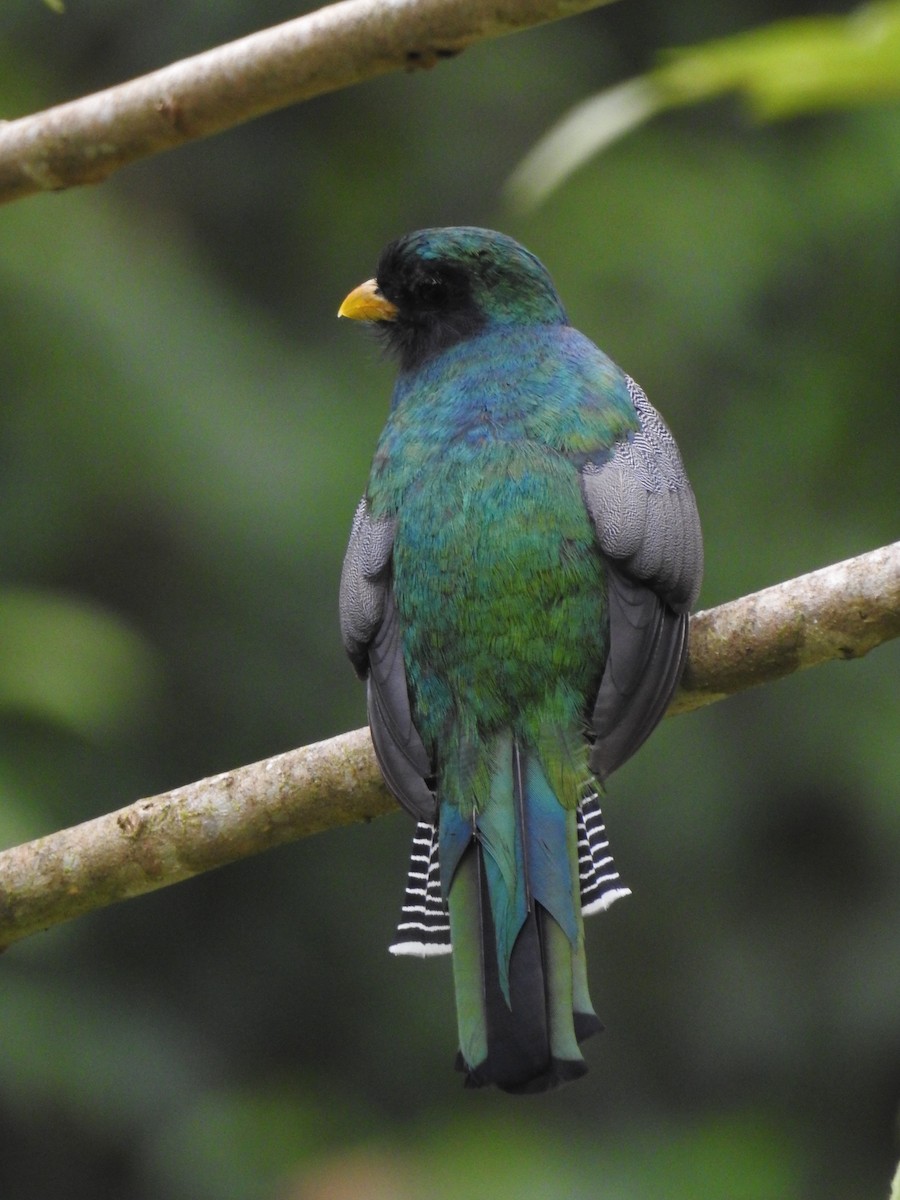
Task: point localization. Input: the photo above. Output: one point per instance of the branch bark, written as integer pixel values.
(840, 612)
(86, 140)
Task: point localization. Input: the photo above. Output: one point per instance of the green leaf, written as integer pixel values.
(781, 70)
(69, 662)
(795, 66)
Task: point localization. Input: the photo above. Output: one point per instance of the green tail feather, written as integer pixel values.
(468, 969)
(518, 944)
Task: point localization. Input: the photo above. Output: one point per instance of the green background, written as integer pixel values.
(185, 430)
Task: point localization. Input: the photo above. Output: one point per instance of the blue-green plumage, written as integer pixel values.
(516, 590)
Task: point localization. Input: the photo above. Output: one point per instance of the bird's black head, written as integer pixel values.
(437, 287)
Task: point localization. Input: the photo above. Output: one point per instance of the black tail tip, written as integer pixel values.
(586, 1025)
(553, 1074)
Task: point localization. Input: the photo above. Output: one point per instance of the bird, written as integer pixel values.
(516, 595)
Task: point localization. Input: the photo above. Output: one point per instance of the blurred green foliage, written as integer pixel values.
(184, 433)
(65, 662)
(797, 66)
(783, 69)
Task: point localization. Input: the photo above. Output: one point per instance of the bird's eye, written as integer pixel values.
(432, 290)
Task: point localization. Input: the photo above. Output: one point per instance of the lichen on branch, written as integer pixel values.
(86, 140)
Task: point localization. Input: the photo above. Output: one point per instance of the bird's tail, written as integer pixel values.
(523, 1036)
(516, 877)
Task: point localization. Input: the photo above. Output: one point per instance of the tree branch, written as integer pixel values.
(842, 611)
(88, 139)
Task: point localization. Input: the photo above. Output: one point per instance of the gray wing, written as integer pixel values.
(365, 583)
(371, 636)
(648, 529)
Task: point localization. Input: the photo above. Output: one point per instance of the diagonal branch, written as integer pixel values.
(86, 140)
(842, 611)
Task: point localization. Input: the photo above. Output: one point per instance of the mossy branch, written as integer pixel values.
(840, 612)
(86, 140)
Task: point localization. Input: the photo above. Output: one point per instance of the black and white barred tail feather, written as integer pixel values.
(424, 928)
(600, 882)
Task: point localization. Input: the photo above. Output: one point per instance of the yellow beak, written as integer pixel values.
(366, 303)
